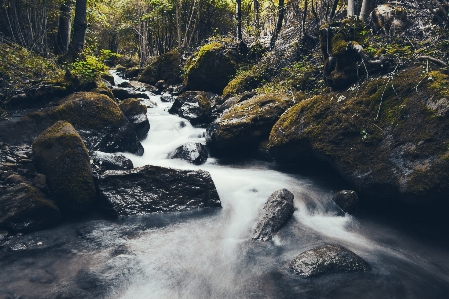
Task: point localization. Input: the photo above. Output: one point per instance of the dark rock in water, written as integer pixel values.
(161, 85)
(327, 259)
(125, 84)
(106, 161)
(195, 153)
(347, 200)
(98, 120)
(24, 208)
(165, 67)
(122, 94)
(275, 213)
(166, 97)
(132, 72)
(243, 127)
(108, 78)
(211, 68)
(62, 156)
(136, 112)
(157, 189)
(196, 106)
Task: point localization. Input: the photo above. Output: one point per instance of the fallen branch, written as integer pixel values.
(434, 60)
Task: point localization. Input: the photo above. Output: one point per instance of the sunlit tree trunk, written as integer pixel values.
(76, 46)
(365, 10)
(350, 8)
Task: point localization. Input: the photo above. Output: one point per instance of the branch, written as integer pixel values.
(434, 60)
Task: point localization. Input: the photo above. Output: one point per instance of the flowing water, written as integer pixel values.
(209, 253)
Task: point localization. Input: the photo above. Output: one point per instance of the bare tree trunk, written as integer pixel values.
(79, 32)
(238, 17)
(256, 17)
(365, 10)
(281, 10)
(178, 24)
(303, 28)
(334, 8)
(350, 8)
(63, 37)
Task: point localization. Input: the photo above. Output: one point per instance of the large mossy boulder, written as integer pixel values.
(211, 68)
(243, 127)
(165, 67)
(61, 155)
(98, 119)
(136, 112)
(389, 139)
(327, 259)
(24, 208)
(195, 106)
(151, 189)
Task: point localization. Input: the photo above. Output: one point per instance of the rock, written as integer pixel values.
(195, 153)
(347, 200)
(246, 124)
(104, 90)
(98, 120)
(165, 67)
(166, 97)
(136, 112)
(125, 84)
(108, 78)
(14, 179)
(389, 19)
(157, 189)
(161, 85)
(24, 208)
(132, 72)
(107, 161)
(40, 180)
(122, 94)
(211, 68)
(195, 106)
(327, 259)
(275, 213)
(388, 147)
(62, 156)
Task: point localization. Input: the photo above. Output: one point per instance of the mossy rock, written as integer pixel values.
(247, 80)
(61, 155)
(136, 112)
(165, 67)
(98, 119)
(195, 106)
(104, 90)
(211, 68)
(389, 139)
(24, 208)
(246, 124)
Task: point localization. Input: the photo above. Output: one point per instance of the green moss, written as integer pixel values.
(438, 82)
(132, 107)
(165, 67)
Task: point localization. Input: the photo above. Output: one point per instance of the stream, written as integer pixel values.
(209, 253)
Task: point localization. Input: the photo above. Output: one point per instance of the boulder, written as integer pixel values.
(195, 153)
(104, 90)
(386, 142)
(157, 189)
(243, 127)
(327, 259)
(61, 155)
(164, 67)
(347, 200)
(98, 120)
(275, 213)
(136, 112)
(132, 72)
(211, 68)
(121, 94)
(195, 106)
(24, 208)
(106, 161)
(389, 19)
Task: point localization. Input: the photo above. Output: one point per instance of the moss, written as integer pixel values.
(132, 107)
(438, 82)
(165, 67)
(211, 68)
(62, 156)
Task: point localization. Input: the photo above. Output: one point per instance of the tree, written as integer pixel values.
(239, 20)
(365, 10)
(76, 46)
(64, 28)
(350, 8)
(277, 30)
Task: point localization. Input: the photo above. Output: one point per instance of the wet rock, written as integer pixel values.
(62, 156)
(195, 153)
(122, 94)
(98, 120)
(108, 78)
(211, 68)
(347, 200)
(243, 127)
(132, 72)
(40, 181)
(105, 161)
(14, 179)
(165, 67)
(402, 157)
(157, 189)
(136, 112)
(24, 208)
(195, 106)
(275, 213)
(166, 97)
(125, 84)
(327, 259)
(161, 85)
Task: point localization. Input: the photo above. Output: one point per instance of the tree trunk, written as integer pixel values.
(239, 20)
(278, 28)
(303, 28)
(334, 8)
(365, 10)
(178, 25)
(64, 28)
(256, 18)
(350, 9)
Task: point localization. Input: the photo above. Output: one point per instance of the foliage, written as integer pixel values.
(88, 69)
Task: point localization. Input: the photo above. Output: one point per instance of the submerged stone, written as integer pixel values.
(195, 153)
